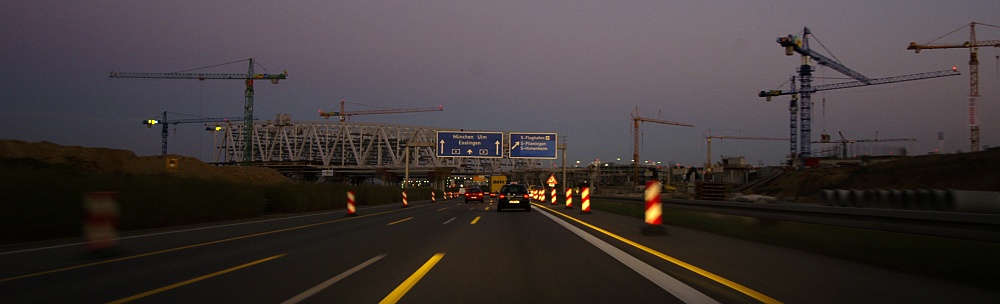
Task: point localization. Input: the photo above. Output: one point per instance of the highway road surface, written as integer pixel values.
(450, 252)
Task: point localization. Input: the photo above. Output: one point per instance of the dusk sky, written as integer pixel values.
(577, 68)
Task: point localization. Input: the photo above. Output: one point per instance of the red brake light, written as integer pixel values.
(526, 196)
(502, 195)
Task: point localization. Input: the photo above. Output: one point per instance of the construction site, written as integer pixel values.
(340, 150)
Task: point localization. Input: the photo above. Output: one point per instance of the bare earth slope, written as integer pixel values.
(967, 171)
(123, 162)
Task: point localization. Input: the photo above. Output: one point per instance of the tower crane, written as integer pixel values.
(973, 45)
(636, 118)
(345, 114)
(709, 137)
(162, 120)
(844, 141)
(792, 45)
(248, 79)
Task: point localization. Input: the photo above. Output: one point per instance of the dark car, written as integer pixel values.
(513, 196)
(474, 194)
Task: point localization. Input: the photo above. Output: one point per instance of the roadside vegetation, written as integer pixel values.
(41, 201)
(972, 262)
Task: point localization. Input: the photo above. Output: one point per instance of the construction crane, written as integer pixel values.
(636, 118)
(346, 114)
(844, 141)
(162, 120)
(973, 45)
(248, 79)
(792, 45)
(709, 137)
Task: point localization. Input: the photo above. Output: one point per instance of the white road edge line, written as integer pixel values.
(448, 221)
(316, 289)
(137, 236)
(670, 284)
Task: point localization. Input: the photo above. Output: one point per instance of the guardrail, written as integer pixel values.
(961, 225)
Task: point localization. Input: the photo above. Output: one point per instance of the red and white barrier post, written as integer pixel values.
(654, 209)
(351, 210)
(553, 196)
(585, 198)
(100, 225)
(433, 199)
(405, 202)
(569, 198)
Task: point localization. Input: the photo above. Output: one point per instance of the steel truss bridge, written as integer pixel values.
(353, 148)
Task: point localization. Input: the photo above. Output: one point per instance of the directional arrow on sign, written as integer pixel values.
(498, 147)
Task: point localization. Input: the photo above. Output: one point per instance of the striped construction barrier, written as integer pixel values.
(569, 198)
(101, 217)
(585, 200)
(351, 209)
(654, 209)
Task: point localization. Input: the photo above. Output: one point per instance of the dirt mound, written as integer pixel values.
(123, 162)
(967, 171)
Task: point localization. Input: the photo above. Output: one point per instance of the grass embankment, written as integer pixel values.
(39, 202)
(973, 262)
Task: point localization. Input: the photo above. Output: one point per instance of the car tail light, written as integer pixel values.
(526, 195)
(501, 196)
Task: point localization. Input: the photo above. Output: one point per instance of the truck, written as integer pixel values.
(497, 182)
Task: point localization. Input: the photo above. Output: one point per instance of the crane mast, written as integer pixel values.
(165, 122)
(248, 79)
(636, 118)
(973, 46)
(800, 107)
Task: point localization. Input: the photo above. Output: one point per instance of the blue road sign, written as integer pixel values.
(470, 144)
(533, 145)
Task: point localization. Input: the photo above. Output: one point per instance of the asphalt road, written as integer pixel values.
(449, 252)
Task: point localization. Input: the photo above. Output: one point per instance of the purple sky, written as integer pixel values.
(577, 68)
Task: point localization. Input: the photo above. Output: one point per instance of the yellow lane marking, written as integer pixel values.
(475, 221)
(190, 246)
(400, 221)
(735, 286)
(402, 289)
(201, 278)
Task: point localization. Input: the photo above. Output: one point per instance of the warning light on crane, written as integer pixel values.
(150, 122)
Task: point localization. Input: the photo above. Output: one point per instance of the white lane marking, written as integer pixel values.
(312, 291)
(182, 231)
(448, 221)
(670, 284)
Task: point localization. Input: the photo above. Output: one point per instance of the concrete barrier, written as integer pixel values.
(915, 199)
(975, 201)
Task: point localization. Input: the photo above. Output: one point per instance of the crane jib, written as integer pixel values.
(196, 75)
